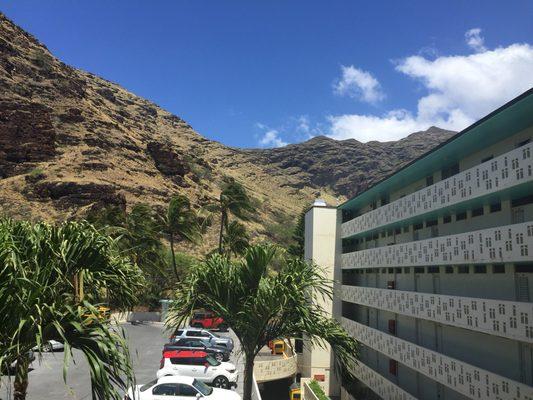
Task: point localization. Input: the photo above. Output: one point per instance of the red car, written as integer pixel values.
(207, 320)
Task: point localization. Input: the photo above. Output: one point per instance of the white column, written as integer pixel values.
(322, 248)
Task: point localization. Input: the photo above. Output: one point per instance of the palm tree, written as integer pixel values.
(181, 222)
(233, 200)
(260, 304)
(51, 280)
(236, 240)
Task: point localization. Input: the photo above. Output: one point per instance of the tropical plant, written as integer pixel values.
(233, 200)
(180, 222)
(236, 240)
(298, 237)
(52, 279)
(260, 304)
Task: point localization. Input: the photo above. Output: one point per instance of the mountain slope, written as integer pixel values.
(70, 140)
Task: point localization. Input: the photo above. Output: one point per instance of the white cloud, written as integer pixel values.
(358, 84)
(460, 90)
(271, 138)
(475, 40)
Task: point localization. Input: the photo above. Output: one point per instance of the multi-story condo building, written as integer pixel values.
(434, 270)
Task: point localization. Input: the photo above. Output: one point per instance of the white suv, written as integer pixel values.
(199, 365)
(178, 388)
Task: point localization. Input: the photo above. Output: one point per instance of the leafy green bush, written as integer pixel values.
(317, 390)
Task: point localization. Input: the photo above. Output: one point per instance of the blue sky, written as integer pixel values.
(266, 73)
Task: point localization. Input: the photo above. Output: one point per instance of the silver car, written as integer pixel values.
(204, 334)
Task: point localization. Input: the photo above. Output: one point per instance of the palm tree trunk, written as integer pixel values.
(222, 223)
(248, 376)
(173, 256)
(21, 377)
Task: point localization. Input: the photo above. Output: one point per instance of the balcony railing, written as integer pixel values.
(510, 169)
(510, 243)
(275, 368)
(380, 385)
(509, 319)
(470, 381)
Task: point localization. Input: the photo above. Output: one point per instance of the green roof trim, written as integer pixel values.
(507, 120)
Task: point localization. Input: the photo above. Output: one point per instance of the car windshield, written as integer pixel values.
(212, 361)
(148, 385)
(202, 388)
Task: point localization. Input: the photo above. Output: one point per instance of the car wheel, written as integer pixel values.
(221, 382)
(47, 348)
(219, 357)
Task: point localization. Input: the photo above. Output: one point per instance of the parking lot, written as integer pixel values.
(145, 342)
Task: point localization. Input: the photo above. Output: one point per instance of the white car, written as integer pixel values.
(178, 388)
(51, 345)
(199, 365)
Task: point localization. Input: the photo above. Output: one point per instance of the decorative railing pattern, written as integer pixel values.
(379, 384)
(505, 171)
(510, 243)
(277, 368)
(509, 319)
(470, 381)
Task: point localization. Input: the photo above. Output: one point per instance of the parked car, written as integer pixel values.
(220, 353)
(207, 320)
(51, 345)
(199, 365)
(203, 333)
(178, 388)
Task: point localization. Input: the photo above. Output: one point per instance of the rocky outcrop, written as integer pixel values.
(26, 136)
(167, 161)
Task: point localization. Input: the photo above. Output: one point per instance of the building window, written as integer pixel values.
(522, 201)
(476, 212)
(487, 159)
(418, 226)
(397, 231)
(391, 270)
(527, 268)
(398, 270)
(449, 269)
(429, 180)
(495, 207)
(407, 270)
(383, 270)
(498, 269)
(460, 216)
(347, 215)
(450, 171)
(433, 270)
(447, 219)
(480, 269)
(384, 200)
(432, 222)
(419, 270)
(463, 269)
(406, 229)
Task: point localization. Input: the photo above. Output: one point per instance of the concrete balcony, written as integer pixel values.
(269, 367)
(510, 243)
(469, 380)
(378, 384)
(501, 173)
(509, 319)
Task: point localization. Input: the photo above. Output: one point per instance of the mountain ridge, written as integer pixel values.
(71, 141)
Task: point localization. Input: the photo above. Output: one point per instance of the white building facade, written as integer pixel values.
(434, 269)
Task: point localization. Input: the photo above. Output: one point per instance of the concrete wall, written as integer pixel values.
(321, 247)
